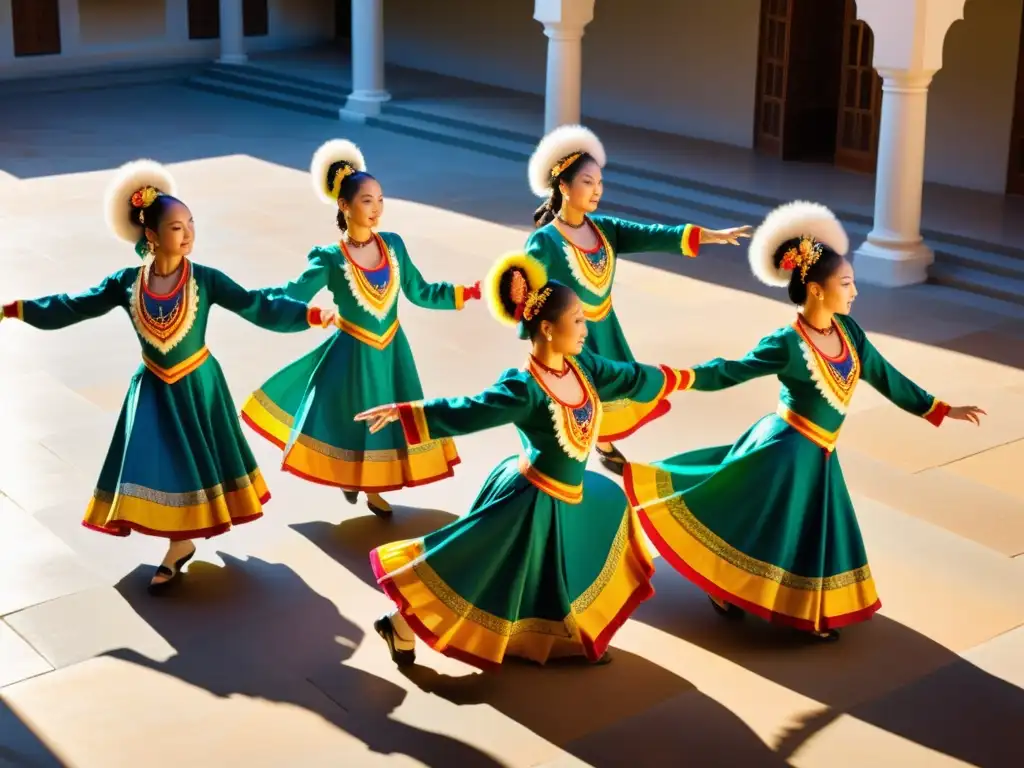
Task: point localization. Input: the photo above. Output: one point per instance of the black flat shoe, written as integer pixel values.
(612, 460)
(351, 496)
(729, 610)
(156, 588)
(379, 511)
(386, 630)
(606, 658)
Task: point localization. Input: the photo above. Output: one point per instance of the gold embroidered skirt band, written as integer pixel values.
(177, 372)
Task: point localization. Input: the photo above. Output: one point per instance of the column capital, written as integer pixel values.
(905, 80)
(563, 16)
(909, 34)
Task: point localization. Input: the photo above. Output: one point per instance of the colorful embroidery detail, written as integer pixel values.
(374, 289)
(576, 426)
(594, 270)
(163, 322)
(835, 378)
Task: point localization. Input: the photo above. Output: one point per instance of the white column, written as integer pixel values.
(232, 35)
(894, 253)
(176, 21)
(368, 92)
(6, 34)
(909, 35)
(564, 22)
(70, 27)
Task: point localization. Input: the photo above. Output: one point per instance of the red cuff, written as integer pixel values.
(414, 423)
(691, 240)
(937, 413)
(677, 380)
(314, 317)
(14, 310)
(472, 291)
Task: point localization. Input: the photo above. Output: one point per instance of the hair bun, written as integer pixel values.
(787, 222)
(557, 145)
(129, 179)
(514, 273)
(329, 153)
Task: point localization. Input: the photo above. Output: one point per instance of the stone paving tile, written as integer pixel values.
(18, 660)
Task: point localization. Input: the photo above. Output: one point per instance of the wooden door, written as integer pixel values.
(772, 75)
(860, 98)
(36, 27)
(1015, 163)
(342, 19)
(203, 19)
(255, 21)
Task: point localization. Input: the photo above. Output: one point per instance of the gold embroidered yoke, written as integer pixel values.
(817, 389)
(556, 437)
(367, 299)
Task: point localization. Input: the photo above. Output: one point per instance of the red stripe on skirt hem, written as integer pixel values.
(828, 622)
(123, 528)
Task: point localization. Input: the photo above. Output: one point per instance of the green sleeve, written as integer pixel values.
(891, 384)
(310, 282)
(628, 381)
(538, 246)
(507, 402)
(769, 358)
(419, 291)
(264, 308)
(60, 310)
(633, 237)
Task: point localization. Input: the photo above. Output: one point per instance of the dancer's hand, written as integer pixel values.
(328, 317)
(971, 413)
(379, 417)
(724, 236)
(470, 292)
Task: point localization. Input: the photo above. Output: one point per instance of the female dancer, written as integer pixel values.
(579, 250)
(178, 466)
(766, 525)
(307, 408)
(549, 561)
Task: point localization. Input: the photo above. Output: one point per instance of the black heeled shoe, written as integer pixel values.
(156, 588)
(380, 511)
(828, 636)
(728, 610)
(606, 658)
(386, 630)
(351, 496)
(612, 460)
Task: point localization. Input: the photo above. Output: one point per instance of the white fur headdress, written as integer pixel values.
(329, 153)
(130, 178)
(797, 219)
(557, 146)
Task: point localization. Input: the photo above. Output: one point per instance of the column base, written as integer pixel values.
(233, 58)
(363, 104)
(892, 265)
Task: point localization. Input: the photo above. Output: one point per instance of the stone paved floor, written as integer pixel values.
(266, 656)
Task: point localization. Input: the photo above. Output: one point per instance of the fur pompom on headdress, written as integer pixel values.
(555, 152)
(530, 277)
(329, 153)
(135, 185)
(799, 219)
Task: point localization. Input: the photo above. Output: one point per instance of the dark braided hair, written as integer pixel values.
(549, 208)
(350, 187)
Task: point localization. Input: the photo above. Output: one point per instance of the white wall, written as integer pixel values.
(970, 109)
(110, 22)
(692, 70)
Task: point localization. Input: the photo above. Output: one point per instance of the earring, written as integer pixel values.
(150, 247)
(549, 337)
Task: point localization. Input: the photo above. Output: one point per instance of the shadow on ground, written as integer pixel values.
(631, 712)
(880, 672)
(19, 745)
(255, 629)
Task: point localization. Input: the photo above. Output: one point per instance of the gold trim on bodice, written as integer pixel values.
(596, 277)
(377, 301)
(834, 386)
(576, 426)
(164, 332)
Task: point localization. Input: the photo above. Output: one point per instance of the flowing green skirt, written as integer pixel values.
(178, 465)
(522, 573)
(620, 418)
(766, 524)
(308, 410)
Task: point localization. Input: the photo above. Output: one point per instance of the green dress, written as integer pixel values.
(178, 465)
(767, 523)
(591, 274)
(308, 408)
(550, 560)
